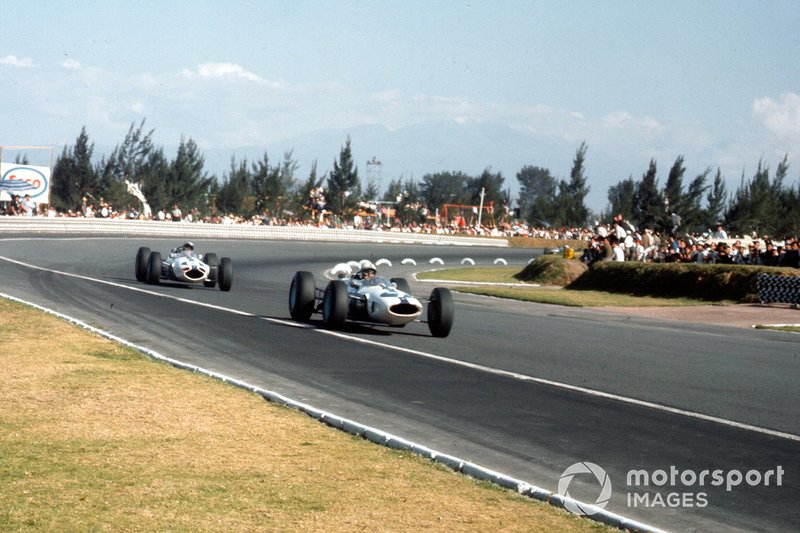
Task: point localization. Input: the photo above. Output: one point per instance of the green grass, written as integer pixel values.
(499, 274)
(574, 298)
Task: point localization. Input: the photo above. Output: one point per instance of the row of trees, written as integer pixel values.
(763, 204)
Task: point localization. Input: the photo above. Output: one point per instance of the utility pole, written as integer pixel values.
(480, 209)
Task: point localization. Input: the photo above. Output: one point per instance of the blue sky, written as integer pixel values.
(715, 81)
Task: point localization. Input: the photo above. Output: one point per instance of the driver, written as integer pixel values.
(186, 248)
(367, 272)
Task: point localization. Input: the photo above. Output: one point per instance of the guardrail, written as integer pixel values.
(136, 228)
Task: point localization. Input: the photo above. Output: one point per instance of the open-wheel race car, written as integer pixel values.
(184, 265)
(368, 298)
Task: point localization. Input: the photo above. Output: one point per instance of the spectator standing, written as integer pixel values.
(28, 206)
(13, 207)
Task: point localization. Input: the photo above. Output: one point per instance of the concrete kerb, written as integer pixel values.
(136, 228)
(371, 434)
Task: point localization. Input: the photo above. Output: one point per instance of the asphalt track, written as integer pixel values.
(524, 389)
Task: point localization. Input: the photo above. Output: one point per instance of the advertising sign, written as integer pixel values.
(25, 179)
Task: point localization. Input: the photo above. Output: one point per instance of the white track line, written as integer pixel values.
(480, 368)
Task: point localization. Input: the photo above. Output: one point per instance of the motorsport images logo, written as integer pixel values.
(684, 488)
(585, 468)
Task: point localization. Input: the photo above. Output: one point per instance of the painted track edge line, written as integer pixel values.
(457, 362)
(369, 433)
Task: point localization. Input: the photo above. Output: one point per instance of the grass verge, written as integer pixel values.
(574, 298)
(97, 437)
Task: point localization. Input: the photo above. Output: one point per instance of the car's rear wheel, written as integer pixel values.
(212, 262)
(301, 296)
(225, 274)
(153, 274)
(334, 304)
(401, 284)
(141, 263)
(440, 312)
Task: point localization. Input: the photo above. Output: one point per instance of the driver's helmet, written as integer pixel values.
(367, 270)
(186, 248)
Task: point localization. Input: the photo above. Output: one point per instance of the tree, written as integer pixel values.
(303, 197)
(73, 175)
(621, 198)
(537, 195)
(576, 214)
(715, 201)
(648, 205)
(692, 212)
(344, 188)
(187, 183)
(444, 188)
(272, 186)
(125, 162)
(235, 188)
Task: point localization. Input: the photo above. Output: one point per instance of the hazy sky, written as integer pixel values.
(716, 81)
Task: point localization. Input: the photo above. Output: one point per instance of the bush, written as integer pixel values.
(552, 270)
(690, 280)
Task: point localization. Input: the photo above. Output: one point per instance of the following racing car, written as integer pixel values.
(368, 298)
(184, 265)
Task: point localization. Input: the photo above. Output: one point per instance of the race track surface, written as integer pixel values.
(525, 389)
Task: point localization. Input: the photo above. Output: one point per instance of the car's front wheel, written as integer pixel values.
(440, 312)
(301, 296)
(153, 274)
(141, 263)
(225, 274)
(334, 304)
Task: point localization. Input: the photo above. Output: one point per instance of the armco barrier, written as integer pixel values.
(142, 228)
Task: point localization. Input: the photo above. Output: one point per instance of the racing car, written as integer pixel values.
(368, 298)
(184, 265)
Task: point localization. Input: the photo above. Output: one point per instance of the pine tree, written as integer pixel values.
(576, 214)
(716, 201)
(537, 195)
(621, 199)
(73, 175)
(235, 189)
(648, 203)
(344, 188)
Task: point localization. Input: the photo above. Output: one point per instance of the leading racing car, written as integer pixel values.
(368, 298)
(183, 264)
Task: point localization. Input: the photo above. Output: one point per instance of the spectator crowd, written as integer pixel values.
(618, 240)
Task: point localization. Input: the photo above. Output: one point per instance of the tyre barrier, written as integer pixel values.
(151, 228)
(778, 289)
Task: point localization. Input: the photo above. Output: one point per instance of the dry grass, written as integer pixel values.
(96, 437)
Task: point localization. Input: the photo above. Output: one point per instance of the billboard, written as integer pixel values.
(25, 179)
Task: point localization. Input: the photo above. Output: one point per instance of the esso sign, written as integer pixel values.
(33, 176)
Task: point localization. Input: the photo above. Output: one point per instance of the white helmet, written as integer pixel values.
(365, 266)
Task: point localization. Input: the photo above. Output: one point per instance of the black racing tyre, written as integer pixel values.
(401, 284)
(301, 296)
(225, 274)
(440, 312)
(153, 274)
(335, 304)
(212, 261)
(141, 263)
